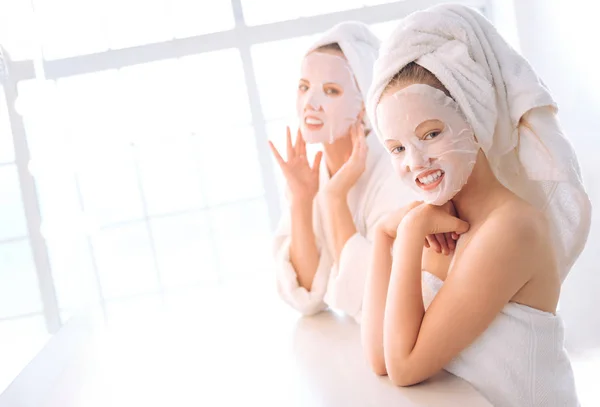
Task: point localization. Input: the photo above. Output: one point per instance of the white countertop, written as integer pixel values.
(229, 356)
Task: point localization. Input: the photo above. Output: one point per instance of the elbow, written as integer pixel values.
(401, 379)
(378, 367)
(374, 359)
(401, 374)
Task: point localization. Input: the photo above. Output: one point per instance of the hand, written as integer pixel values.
(389, 224)
(302, 179)
(350, 172)
(443, 242)
(431, 220)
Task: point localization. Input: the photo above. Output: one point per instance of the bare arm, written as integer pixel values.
(376, 288)
(303, 183)
(492, 268)
(341, 223)
(304, 254)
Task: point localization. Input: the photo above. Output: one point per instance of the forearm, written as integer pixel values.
(341, 223)
(374, 302)
(304, 254)
(404, 310)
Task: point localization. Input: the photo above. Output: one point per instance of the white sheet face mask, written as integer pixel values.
(432, 145)
(328, 100)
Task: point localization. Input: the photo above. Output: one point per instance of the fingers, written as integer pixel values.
(278, 157)
(461, 227)
(441, 238)
(290, 147)
(434, 244)
(300, 144)
(317, 162)
(450, 241)
(454, 236)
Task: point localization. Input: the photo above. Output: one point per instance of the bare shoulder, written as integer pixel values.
(518, 219)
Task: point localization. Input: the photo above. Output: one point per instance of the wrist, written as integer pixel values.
(411, 226)
(301, 205)
(336, 195)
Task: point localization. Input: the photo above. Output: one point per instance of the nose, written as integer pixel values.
(313, 101)
(414, 159)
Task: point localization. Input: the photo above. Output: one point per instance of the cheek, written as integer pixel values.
(399, 167)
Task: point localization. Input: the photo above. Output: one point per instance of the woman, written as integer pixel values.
(473, 131)
(323, 243)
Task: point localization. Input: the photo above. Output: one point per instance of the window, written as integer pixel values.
(153, 180)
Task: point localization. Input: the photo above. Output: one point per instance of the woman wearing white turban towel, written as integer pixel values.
(323, 242)
(469, 124)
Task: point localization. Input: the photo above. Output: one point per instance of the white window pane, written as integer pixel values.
(71, 27)
(73, 273)
(231, 169)
(145, 101)
(22, 339)
(12, 215)
(185, 249)
(212, 91)
(109, 185)
(277, 69)
(243, 239)
(193, 17)
(268, 11)
(19, 291)
(170, 174)
(88, 107)
(7, 151)
(17, 29)
(137, 22)
(383, 30)
(124, 259)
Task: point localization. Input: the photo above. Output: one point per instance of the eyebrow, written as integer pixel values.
(390, 142)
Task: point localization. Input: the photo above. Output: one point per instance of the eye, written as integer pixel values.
(332, 89)
(302, 87)
(397, 150)
(431, 135)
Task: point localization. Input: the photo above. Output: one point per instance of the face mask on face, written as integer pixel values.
(328, 101)
(432, 145)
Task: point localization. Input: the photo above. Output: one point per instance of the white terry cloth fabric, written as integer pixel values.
(519, 361)
(340, 286)
(512, 113)
(359, 45)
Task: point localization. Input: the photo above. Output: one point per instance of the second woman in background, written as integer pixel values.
(323, 243)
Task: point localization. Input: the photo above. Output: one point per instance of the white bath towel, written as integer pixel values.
(508, 106)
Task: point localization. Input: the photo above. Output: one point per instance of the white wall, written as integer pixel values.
(556, 36)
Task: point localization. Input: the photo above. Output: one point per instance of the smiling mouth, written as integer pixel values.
(313, 123)
(430, 179)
